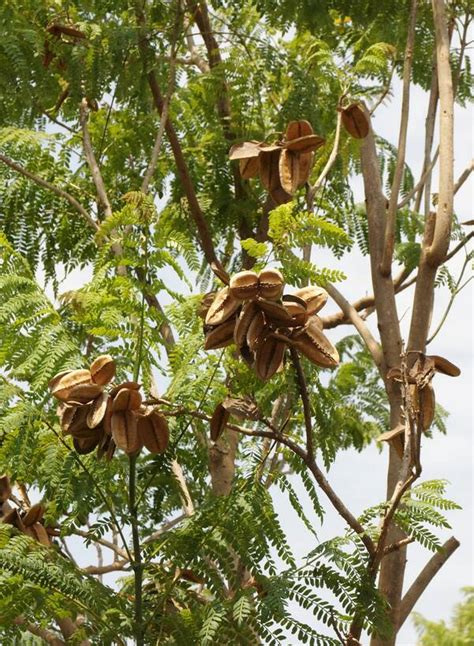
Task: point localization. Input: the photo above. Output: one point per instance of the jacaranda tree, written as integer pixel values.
(192, 159)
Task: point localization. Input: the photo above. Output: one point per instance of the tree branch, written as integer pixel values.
(463, 177)
(51, 187)
(106, 569)
(48, 636)
(425, 577)
(416, 189)
(389, 244)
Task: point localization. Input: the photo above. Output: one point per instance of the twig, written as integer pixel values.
(329, 164)
(305, 399)
(51, 187)
(389, 242)
(45, 634)
(463, 177)
(393, 547)
(103, 541)
(424, 578)
(106, 569)
(186, 499)
(421, 182)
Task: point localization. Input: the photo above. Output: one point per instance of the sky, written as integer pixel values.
(359, 478)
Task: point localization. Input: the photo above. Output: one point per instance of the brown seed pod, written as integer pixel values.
(85, 445)
(296, 308)
(219, 420)
(5, 488)
(66, 417)
(244, 285)
(33, 515)
(103, 445)
(314, 297)
(355, 121)
(12, 517)
(62, 387)
(269, 357)
(275, 314)
(445, 367)
(97, 410)
(427, 405)
(288, 166)
(40, 534)
(256, 333)
(205, 304)
(126, 399)
(241, 408)
(311, 342)
(131, 385)
(245, 150)
(77, 425)
(280, 196)
(270, 170)
(54, 381)
(124, 431)
(153, 431)
(220, 336)
(83, 393)
(103, 369)
(270, 284)
(249, 167)
(304, 144)
(242, 324)
(298, 129)
(306, 163)
(223, 307)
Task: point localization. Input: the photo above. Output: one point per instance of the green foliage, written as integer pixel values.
(459, 632)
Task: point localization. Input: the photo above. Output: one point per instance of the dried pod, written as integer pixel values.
(256, 332)
(220, 336)
(124, 431)
(395, 373)
(84, 393)
(288, 165)
(302, 145)
(62, 387)
(40, 534)
(269, 357)
(298, 129)
(205, 304)
(126, 399)
(296, 308)
(33, 515)
(54, 381)
(66, 417)
(270, 170)
(271, 283)
(275, 313)
(445, 367)
(77, 425)
(5, 488)
(315, 345)
(244, 285)
(280, 196)
(130, 385)
(245, 150)
(103, 369)
(223, 307)
(219, 420)
(241, 408)
(153, 431)
(97, 410)
(305, 165)
(12, 517)
(314, 297)
(355, 121)
(104, 445)
(427, 406)
(85, 445)
(247, 355)
(242, 324)
(249, 167)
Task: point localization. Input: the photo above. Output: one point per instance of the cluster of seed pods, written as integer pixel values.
(29, 521)
(253, 313)
(97, 418)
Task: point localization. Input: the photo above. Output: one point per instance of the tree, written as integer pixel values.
(169, 149)
(460, 632)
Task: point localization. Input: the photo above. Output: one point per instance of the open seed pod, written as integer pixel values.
(205, 304)
(296, 308)
(126, 399)
(222, 308)
(5, 488)
(97, 410)
(311, 342)
(244, 285)
(243, 322)
(445, 367)
(153, 431)
(83, 446)
(103, 370)
(270, 176)
(314, 297)
(63, 383)
(220, 336)
(275, 314)
(245, 150)
(249, 167)
(355, 121)
(34, 514)
(289, 167)
(269, 357)
(84, 393)
(219, 420)
(131, 385)
(270, 284)
(256, 332)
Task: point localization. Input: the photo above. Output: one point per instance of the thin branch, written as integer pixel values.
(305, 400)
(186, 499)
(106, 569)
(463, 177)
(165, 528)
(421, 182)
(329, 164)
(393, 547)
(390, 225)
(45, 634)
(51, 187)
(103, 541)
(425, 577)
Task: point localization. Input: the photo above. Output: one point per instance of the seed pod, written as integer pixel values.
(269, 169)
(311, 342)
(104, 445)
(205, 304)
(314, 297)
(275, 313)
(427, 406)
(242, 324)
(107, 421)
(355, 121)
(249, 167)
(445, 367)
(77, 425)
(296, 308)
(244, 285)
(317, 322)
(5, 488)
(124, 431)
(153, 431)
(130, 385)
(103, 369)
(241, 408)
(33, 515)
(304, 144)
(256, 332)
(288, 166)
(245, 150)
(97, 410)
(66, 417)
(62, 387)
(269, 357)
(297, 129)
(219, 420)
(306, 163)
(126, 399)
(280, 196)
(220, 336)
(40, 534)
(84, 393)
(223, 307)
(271, 283)
(247, 355)
(12, 517)
(54, 381)
(85, 445)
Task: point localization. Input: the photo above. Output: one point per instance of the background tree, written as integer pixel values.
(461, 630)
(117, 123)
